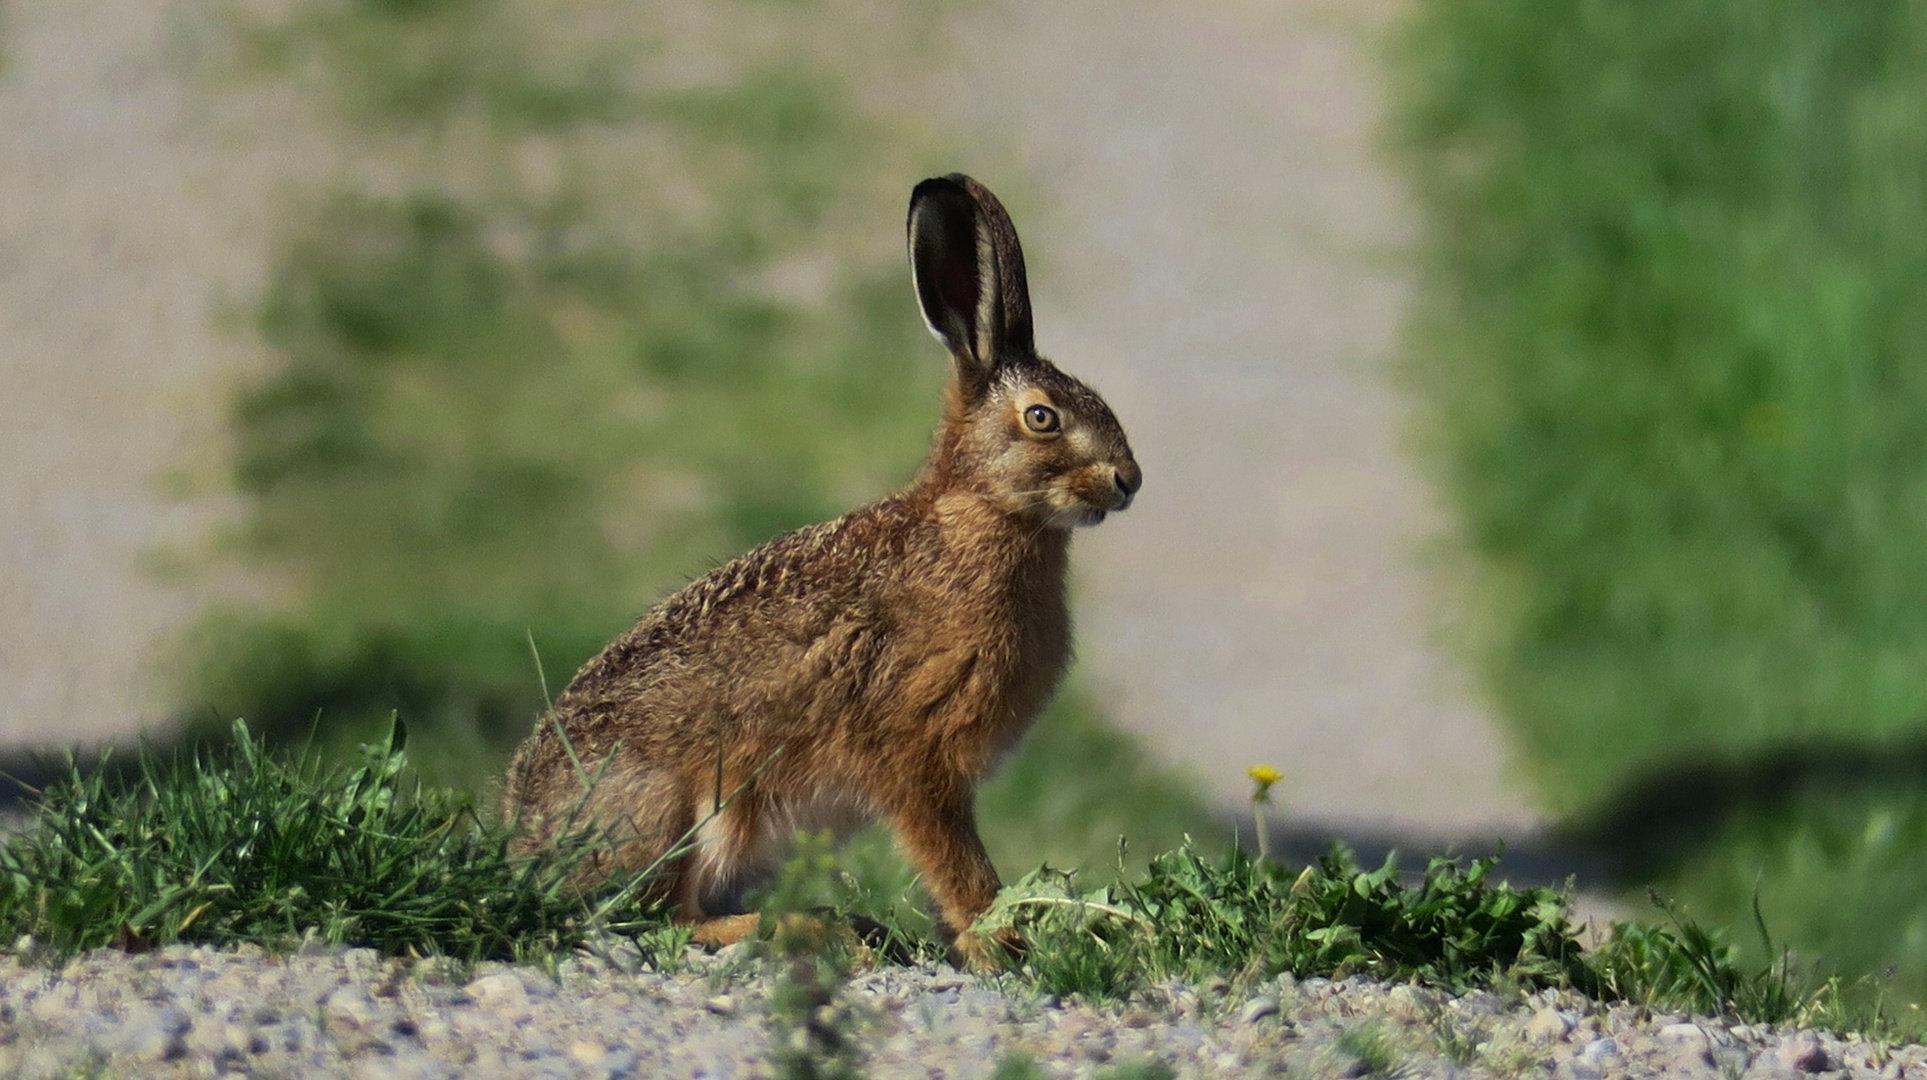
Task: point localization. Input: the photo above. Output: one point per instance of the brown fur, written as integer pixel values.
(874, 667)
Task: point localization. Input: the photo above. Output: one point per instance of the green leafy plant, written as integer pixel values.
(1236, 916)
(1454, 927)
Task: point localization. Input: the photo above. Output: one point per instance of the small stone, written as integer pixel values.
(1257, 1009)
(349, 1008)
(1804, 1053)
(619, 1064)
(409, 1067)
(1729, 1060)
(1548, 1025)
(175, 1020)
(144, 1037)
(1678, 1032)
(721, 1005)
(499, 990)
(1598, 1050)
(1402, 1001)
(587, 1051)
(1354, 1069)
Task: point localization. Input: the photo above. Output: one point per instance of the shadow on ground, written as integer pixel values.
(1676, 809)
(1658, 821)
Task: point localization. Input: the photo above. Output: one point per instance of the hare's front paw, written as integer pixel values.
(989, 953)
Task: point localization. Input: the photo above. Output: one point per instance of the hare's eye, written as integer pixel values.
(1041, 419)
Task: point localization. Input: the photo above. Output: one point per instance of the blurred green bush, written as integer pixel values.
(1670, 355)
(598, 296)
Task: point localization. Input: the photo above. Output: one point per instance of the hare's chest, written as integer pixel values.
(1022, 646)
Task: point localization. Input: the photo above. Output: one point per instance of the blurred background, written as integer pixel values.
(1527, 390)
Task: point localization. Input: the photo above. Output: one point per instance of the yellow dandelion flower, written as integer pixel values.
(1262, 777)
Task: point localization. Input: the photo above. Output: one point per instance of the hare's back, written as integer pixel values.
(782, 620)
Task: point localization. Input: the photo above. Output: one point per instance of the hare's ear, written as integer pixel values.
(969, 273)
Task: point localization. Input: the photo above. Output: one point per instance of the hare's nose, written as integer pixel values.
(1128, 478)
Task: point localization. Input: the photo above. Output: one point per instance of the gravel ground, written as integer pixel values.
(196, 1012)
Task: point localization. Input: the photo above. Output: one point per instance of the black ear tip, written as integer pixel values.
(953, 185)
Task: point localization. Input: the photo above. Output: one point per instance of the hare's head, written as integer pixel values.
(1016, 430)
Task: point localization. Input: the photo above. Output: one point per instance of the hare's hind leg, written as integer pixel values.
(726, 854)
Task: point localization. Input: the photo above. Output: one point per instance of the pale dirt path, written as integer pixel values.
(1215, 259)
(117, 236)
(1211, 235)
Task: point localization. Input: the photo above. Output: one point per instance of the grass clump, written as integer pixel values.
(243, 845)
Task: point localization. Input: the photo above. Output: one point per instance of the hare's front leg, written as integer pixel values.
(936, 826)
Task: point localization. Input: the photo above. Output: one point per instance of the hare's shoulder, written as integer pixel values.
(797, 569)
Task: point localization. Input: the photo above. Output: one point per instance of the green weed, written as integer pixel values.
(1456, 1037)
(813, 1028)
(1456, 927)
(1684, 962)
(1234, 916)
(1017, 1066)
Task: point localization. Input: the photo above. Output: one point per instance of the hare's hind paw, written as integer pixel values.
(800, 931)
(987, 954)
(719, 933)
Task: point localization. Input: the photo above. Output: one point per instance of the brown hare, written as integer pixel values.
(874, 667)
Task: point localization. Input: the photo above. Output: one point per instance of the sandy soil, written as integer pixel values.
(118, 237)
(1213, 250)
